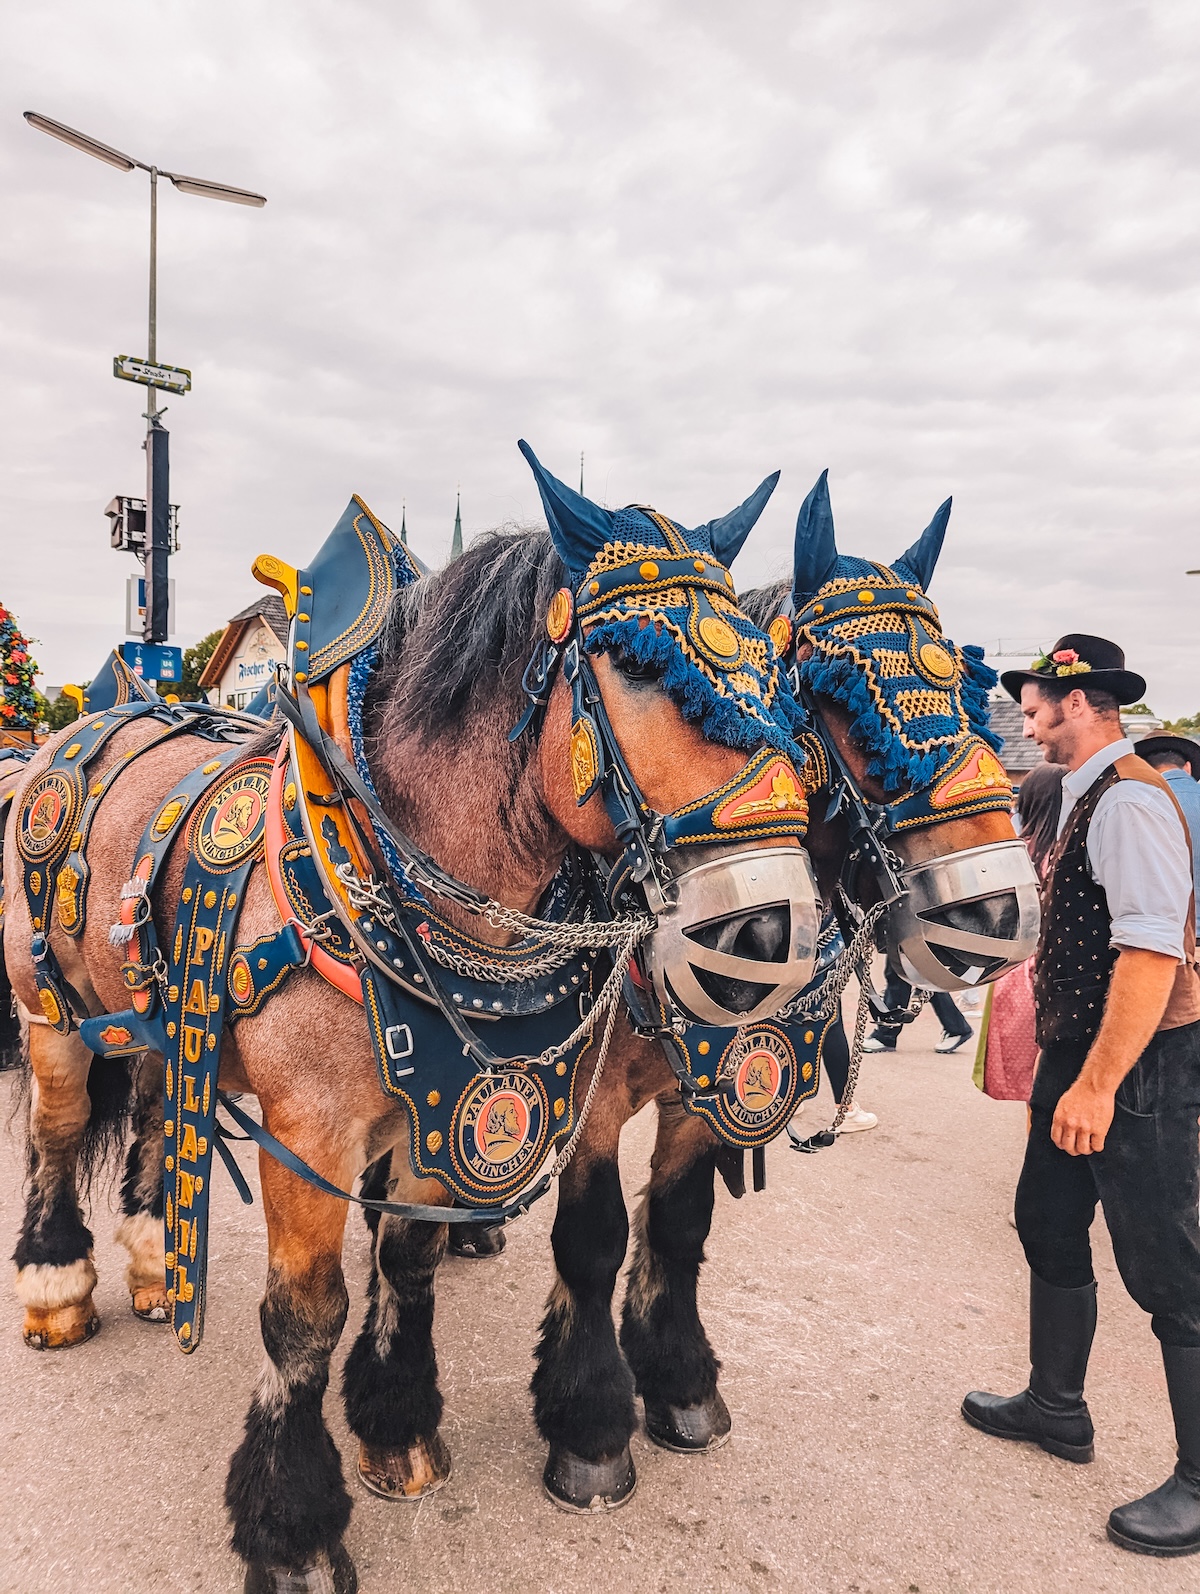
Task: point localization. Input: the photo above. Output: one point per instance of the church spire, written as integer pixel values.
(456, 543)
(403, 521)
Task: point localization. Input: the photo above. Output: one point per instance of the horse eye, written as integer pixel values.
(633, 669)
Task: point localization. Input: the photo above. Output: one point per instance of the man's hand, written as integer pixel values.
(1082, 1119)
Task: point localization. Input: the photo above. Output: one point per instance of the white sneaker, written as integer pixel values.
(952, 1043)
(874, 1044)
(857, 1118)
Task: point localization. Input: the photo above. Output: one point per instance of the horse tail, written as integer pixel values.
(111, 1094)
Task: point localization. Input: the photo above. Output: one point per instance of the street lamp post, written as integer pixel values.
(157, 544)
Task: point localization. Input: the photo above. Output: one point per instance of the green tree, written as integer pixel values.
(63, 711)
(1187, 726)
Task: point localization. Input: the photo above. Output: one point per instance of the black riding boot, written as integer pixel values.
(1167, 1520)
(1052, 1411)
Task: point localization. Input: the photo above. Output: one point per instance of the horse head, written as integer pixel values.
(902, 750)
(668, 748)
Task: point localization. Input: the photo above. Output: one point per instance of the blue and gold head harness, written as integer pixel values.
(918, 703)
(659, 593)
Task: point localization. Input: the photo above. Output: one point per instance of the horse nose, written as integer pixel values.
(761, 935)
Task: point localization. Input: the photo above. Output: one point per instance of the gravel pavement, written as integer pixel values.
(853, 1303)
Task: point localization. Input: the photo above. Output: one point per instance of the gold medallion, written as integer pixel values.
(720, 639)
(780, 633)
(585, 758)
(559, 615)
(937, 662)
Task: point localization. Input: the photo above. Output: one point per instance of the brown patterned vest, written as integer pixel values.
(1074, 958)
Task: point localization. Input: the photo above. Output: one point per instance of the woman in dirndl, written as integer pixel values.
(1007, 1051)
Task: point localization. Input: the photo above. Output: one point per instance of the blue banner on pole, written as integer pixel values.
(153, 662)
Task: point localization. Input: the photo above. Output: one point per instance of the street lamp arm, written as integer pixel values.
(89, 146)
(207, 190)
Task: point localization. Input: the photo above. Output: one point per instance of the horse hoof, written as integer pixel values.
(408, 1474)
(482, 1240)
(151, 1304)
(329, 1574)
(578, 1485)
(58, 1327)
(691, 1430)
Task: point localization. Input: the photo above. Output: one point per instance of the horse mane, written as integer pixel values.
(456, 642)
(763, 604)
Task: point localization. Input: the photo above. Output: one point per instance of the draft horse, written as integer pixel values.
(412, 716)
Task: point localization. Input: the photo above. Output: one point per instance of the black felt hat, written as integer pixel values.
(1078, 660)
(1188, 750)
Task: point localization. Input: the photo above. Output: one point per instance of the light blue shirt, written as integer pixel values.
(1138, 853)
(1186, 792)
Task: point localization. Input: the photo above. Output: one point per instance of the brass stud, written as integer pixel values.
(169, 1259)
(169, 1127)
(593, 587)
(303, 618)
(560, 1107)
(168, 1163)
(703, 1048)
(808, 1037)
(698, 566)
(433, 1141)
(231, 900)
(434, 1097)
(301, 675)
(648, 570)
(302, 646)
(866, 597)
(560, 1069)
(703, 1081)
(210, 899)
(306, 592)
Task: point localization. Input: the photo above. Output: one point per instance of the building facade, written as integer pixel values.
(244, 660)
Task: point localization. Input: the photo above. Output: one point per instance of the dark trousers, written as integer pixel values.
(897, 993)
(1147, 1180)
(835, 1057)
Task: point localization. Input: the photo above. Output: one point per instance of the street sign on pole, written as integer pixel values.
(135, 606)
(169, 378)
(153, 663)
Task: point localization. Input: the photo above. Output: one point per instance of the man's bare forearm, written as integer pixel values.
(1137, 999)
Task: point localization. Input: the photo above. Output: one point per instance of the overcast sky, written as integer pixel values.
(938, 248)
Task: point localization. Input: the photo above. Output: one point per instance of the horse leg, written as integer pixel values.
(285, 1491)
(582, 1388)
(661, 1332)
(140, 1230)
(55, 1271)
(390, 1381)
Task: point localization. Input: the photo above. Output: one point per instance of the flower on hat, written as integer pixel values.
(1065, 656)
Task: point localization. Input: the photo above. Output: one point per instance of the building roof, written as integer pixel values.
(268, 608)
(1018, 754)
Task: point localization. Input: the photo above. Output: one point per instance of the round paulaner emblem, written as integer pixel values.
(47, 811)
(499, 1130)
(764, 1083)
(230, 825)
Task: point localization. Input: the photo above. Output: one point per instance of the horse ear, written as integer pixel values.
(727, 535)
(578, 527)
(917, 563)
(816, 547)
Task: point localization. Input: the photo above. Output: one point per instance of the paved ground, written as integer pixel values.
(852, 1303)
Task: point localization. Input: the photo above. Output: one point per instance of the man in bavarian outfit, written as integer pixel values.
(1116, 1096)
(1177, 760)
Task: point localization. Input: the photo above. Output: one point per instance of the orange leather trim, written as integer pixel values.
(340, 975)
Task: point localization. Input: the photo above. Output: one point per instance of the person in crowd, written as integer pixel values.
(1117, 1090)
(1007, 1051)
(897, 994)
(835, 1059)
(1177, 759)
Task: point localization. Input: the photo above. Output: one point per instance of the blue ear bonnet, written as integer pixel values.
(878, 649)
(661, 594)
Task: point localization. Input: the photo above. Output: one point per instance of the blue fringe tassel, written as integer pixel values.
(896, 764)
(721, 719)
